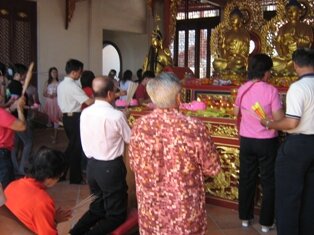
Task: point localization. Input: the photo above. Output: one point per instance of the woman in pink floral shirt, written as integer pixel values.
(170, 153)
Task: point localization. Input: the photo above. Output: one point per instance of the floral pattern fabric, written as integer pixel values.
(170, 153)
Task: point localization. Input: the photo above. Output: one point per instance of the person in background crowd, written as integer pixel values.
(87, 78)
(104, 132)
(3, 84)
(125, 82)
(113, 75)
(139, 75)
(51, 107)
(141, 93)
(294, 171)
(258, 145)
(170, 153)
(9, 124)
(28, 200)
(70, 99)
(24, 139)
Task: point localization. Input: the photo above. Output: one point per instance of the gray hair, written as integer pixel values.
(163, 90)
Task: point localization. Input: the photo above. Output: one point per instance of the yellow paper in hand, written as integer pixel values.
(258, 109)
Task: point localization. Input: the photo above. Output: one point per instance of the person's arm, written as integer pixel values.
(295, 102)
(62, 215)
(44, 218)
(124, 128)
(2, 93)
(208, 155)
(80, 96)
(120, 93)
(45, 91)
(19, 124)
(89, 101)
(285, 123)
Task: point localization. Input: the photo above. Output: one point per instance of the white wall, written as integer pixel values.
(84, 38)
(133, 48)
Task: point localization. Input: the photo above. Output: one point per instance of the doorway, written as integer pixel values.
(111, 58)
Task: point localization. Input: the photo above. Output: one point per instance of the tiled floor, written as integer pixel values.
(221, 221)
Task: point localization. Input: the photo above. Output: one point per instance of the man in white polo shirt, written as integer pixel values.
(104, 132)
(294, 171)
(70, 98)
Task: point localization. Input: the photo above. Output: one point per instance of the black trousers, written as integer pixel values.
(6, 167)
(73, 151)
(295, 186)
(257, 156)
(107, 180)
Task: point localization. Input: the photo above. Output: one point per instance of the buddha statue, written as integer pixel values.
(233, 50)
(292, 35)
(158, 57)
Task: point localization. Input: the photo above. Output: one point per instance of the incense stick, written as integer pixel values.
(28, 78)
(85, 201)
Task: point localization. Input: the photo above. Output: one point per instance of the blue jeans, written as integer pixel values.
(26, 137)
(6, 167)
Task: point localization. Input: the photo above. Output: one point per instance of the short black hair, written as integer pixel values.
(87, 78)
(73, 65)
(127, 75)
(258, 65)
(15, 88)
(139, 74)
(112, 73)
(107, 86)
(148, 74)
(303, 57)
(47, 163)
(20, 69)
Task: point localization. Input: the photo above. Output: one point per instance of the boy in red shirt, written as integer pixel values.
(28, 200)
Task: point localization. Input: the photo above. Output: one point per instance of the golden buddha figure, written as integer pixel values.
(234, 47)
(292, 35)
(158, 57)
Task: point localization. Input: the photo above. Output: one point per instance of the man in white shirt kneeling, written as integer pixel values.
(104, 132)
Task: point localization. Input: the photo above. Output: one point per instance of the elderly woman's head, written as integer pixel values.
(164, 90)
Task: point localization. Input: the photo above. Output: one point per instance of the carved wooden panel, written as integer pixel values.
(18, 37)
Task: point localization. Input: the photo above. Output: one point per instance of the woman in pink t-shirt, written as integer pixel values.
(258, 145)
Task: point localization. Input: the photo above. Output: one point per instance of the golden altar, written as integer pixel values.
(221, 190)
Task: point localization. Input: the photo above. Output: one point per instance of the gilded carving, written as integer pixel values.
(230, 40)
(221, 130)
(225, 184)
(173, 18)
(131, 120)
(283, 34)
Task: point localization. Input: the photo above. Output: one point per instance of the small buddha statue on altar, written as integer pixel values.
(158, 57)
(292, 35)
(234, 48)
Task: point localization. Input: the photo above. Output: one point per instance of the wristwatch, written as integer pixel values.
(267, 124)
